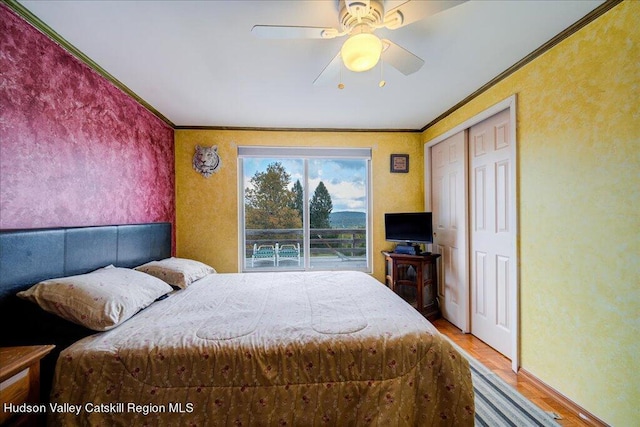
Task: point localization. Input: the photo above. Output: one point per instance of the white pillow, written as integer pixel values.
(178, 272)
(99, 300)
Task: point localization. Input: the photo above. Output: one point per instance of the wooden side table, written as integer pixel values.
(20, 381)
(416, 271)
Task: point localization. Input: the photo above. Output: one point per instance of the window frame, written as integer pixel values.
(304, 154)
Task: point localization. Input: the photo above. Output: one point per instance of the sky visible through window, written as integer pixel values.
(345, 179)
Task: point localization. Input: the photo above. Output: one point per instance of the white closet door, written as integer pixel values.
(449, 178)
(493, 257)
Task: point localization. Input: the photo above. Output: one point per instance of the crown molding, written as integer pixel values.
(268, 129)
(587, 19)
(45, 29)
(38, 24)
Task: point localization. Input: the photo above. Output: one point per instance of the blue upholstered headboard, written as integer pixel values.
(29, 256)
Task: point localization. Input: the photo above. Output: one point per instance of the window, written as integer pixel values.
(304, 208)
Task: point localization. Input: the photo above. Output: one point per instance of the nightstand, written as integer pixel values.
(20, 381)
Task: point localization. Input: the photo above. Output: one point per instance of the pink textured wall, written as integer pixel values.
(74, 149)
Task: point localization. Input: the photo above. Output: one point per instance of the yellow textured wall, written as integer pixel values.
(207, 208)
(578, 135)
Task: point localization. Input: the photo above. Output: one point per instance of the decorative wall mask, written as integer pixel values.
(206, 160)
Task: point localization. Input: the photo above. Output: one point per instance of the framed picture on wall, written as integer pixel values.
(399, 163)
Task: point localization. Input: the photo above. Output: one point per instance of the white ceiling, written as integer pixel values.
(197, 63)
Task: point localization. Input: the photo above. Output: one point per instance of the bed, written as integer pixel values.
(286, 348)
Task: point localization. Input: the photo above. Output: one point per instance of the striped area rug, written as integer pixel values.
(498, 404)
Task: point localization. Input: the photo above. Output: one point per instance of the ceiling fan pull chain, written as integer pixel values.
(382, 82)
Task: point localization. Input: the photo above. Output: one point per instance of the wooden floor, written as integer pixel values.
(502, 366)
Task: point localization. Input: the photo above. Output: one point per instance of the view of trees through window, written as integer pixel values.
(270, 204)
(276, 213)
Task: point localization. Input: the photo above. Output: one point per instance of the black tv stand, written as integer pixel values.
(408, 249)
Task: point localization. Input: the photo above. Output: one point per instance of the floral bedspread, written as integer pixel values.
(312, 348)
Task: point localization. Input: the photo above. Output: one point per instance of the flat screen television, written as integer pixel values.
(410, 228)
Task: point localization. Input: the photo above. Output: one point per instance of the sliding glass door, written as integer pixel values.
(304, 209)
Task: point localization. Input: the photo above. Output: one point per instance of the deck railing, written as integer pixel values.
(351, 242)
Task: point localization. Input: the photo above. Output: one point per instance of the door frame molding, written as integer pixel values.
(510, 104)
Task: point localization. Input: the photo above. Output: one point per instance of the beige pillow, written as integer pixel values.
(179, 272)
(99, 300)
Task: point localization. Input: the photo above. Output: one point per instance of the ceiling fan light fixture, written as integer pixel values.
(361, 52)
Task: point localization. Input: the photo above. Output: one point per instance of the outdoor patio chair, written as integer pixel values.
(263, 253)
(288, 252)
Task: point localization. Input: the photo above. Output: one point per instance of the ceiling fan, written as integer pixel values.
(358, 20)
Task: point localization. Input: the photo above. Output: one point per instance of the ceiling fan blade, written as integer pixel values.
(330, 72)
(416, 10)
(401, 59)
(290, 32)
